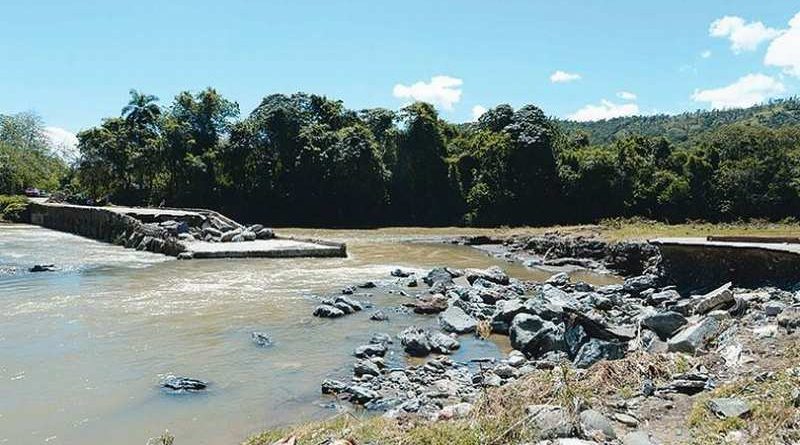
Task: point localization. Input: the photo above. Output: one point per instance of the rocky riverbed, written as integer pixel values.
(676, 349)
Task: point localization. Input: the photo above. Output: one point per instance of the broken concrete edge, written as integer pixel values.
(115, 227)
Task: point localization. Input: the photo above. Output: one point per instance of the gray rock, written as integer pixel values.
(729, 407)
(265, 234)
(592, 421)
(694, 336)
(361, 394)
(229, 235)
(330, 386)
(381, 338)
(261, 339)
(595, 350)
(635, 285)
(789, 318)
(327, 311)
(664, 323)
(415, 341)
(353, 304)
(493, 274)
(774, 308)
(366, 367)
(559, 279)
(454, 319)
(719, 298)
(379, 316)
(213, 232)
(443, 344)
(549, 422)
(438, 275)
(183, 384)
(370, 350)
(248, 235)
(430, 304)
(534, 336)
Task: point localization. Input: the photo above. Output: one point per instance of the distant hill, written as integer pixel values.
(682, 127)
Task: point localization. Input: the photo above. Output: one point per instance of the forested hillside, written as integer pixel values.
(305, 159)
(683, 127)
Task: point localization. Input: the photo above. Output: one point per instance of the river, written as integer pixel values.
(82, 349)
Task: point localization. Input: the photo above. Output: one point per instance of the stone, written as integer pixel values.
(638, 438)
(261, 339)
(626, 419)
(183, 384)
(789, 318)
(429, 304)
(415, 341)
(718, 298)
(366, 367)
(454, 319)
(43, 268)
(595, 350)
(379, 315)
(534, 336)
(493, 274)
(664, 324)
(370, 350)
(327, 311)
(516, 358)
(381, 338)
(229, 235)
(559, 279)
(549, 422)
(694, 336)
(215, 233)
(438, 275)
(248, 235)
(400, 273)
(353, 304)
(635, 285)
(443, 344)
(729, 407)
(774, 308)
(186, 256)
(592, 421)
(361, 394)
(330, 386)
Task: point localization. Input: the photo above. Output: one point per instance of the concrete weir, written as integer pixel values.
(746, 261)
(144, 228)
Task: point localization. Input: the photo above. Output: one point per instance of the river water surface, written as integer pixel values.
(82, 350)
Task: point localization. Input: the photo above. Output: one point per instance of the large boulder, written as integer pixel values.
(719, 298)
(327, 311)
(595, 350)
(429, 304)
(442, 343)
(454, 319)
(534, 336)
(593, 423)
(664, 324)
(493, 274)
(549, 422)
(438, 275)
(695, 336)
(415, 341)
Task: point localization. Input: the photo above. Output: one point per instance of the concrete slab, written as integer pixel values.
(704, 242)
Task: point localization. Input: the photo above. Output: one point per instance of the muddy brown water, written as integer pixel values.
(82, 350)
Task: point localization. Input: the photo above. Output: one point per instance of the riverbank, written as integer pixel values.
(636, 363)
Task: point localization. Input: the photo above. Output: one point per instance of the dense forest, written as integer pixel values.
(305, 159)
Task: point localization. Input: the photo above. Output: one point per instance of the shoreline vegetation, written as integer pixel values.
(307, 160)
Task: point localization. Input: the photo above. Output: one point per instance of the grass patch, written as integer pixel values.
(773, 417)
(498, 417)
(639, 229)
(12, 207)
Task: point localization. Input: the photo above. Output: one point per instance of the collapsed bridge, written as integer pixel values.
(183, 233)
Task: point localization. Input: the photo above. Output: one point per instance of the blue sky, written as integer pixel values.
(73, 62)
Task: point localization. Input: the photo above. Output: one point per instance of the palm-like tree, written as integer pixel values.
(142, 110)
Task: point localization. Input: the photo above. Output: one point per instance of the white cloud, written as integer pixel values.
(605, 110)
(477, 111)
(564, 77)
(748, 90)
(706, 54)
(784, 51)
(443, 91)
(63, 142)
(742, 35)
(626, 95)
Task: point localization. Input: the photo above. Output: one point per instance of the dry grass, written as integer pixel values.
(498, 417)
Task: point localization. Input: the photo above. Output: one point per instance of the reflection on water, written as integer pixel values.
(82, 349)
